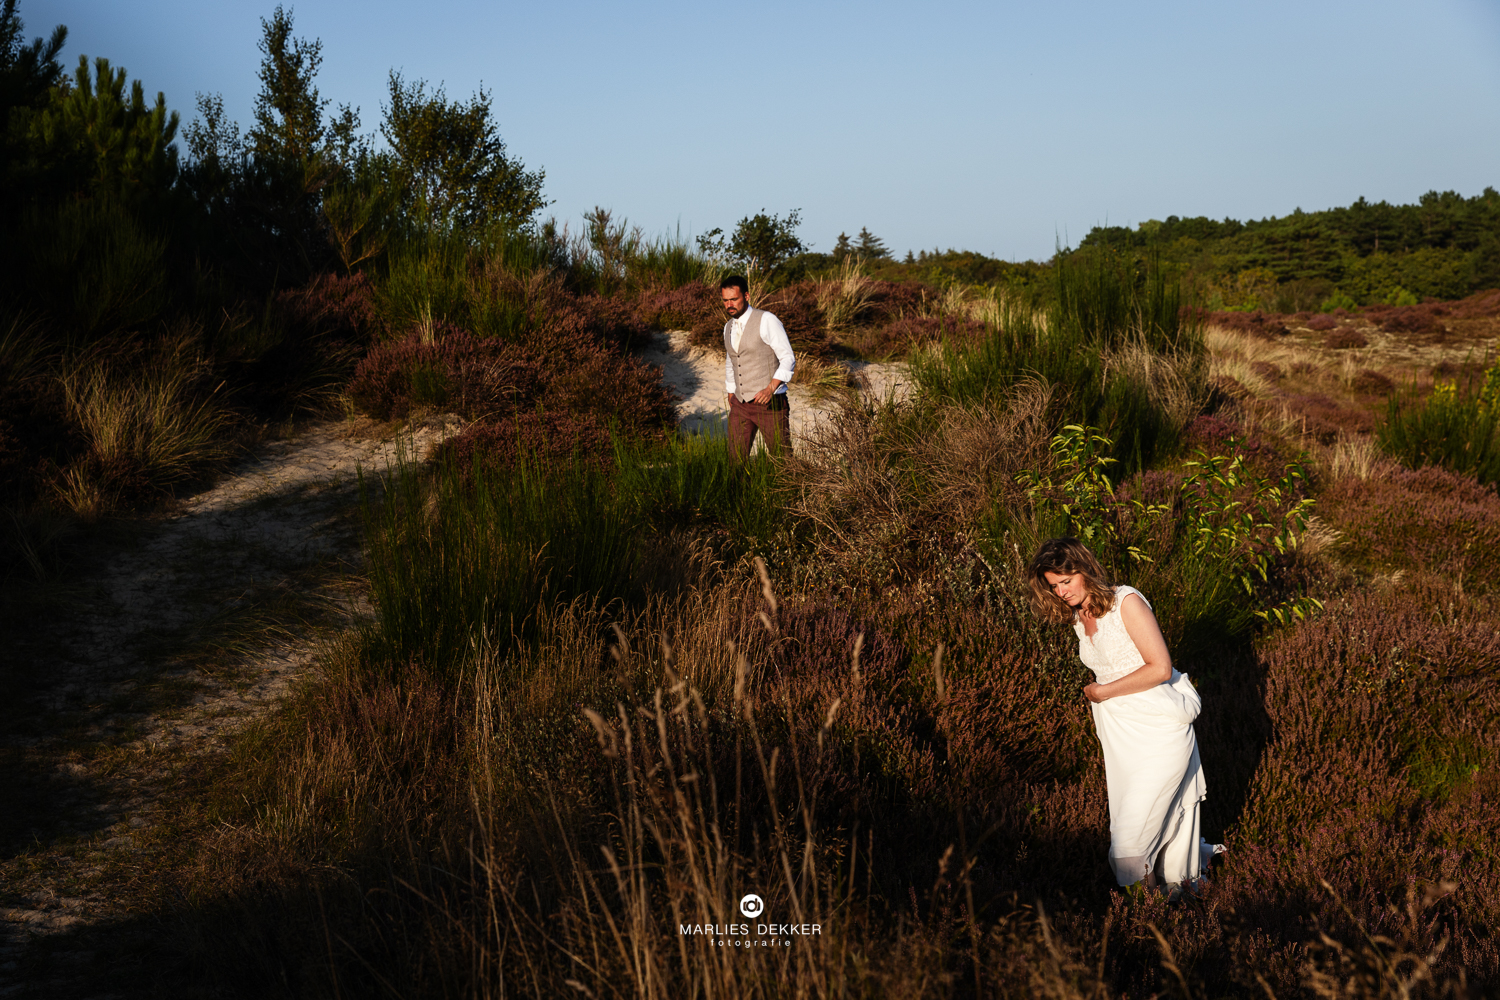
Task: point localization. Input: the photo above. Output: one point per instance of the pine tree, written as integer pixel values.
(92, 137)
(288, 111)
(451, 157)
(26, 71)
(842, 248)
(870, 246)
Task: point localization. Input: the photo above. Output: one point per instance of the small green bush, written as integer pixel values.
(1455, 427)
(92, 266)
(1204, 545)
(1338, 300)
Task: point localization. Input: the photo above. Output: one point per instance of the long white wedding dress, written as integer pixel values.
(1151, 764)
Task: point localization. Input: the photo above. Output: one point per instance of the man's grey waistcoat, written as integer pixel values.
(754, 363)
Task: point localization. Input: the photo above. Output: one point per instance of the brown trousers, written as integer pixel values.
(773, 419)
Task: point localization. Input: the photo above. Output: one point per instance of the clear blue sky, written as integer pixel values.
(998, 127)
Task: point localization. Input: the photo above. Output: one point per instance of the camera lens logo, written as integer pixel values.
(752, 905)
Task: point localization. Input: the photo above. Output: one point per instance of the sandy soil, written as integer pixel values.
(183, 634)
(697, 374)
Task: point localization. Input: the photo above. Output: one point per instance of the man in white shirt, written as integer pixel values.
(758, 363)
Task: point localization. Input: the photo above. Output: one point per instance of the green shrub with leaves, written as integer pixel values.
(1454, 427)
(759, 244)
(450, 162)
(1206, 548)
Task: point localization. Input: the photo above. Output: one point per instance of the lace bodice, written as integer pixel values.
(1110, 654)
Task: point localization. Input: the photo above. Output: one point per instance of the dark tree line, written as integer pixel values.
(92, 167)
(1444, 246)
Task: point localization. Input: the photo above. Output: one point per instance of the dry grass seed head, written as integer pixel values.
(1356, 456)
(845, 296)
(1171, 381)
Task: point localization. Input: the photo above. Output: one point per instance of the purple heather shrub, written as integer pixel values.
(554, 439)
(478, 379)
(1345, 337)
(330, 303)
(1428, 520)
(1267, 326)
(694, 307)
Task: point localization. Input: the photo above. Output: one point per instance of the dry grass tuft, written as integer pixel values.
(1357, 456)
(845, 296)
(1173, 383)
(822, 377)
(147, 428)
(1235, 355)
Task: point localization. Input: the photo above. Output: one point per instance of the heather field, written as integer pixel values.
(603, 684)
(372, 626)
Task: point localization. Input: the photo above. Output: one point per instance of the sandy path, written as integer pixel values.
(183, 636)
(697, 374)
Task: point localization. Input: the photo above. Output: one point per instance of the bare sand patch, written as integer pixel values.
(697, 374)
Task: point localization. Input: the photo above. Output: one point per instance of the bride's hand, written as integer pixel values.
(1094, 693)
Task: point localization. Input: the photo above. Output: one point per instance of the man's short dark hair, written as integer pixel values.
(736, 281)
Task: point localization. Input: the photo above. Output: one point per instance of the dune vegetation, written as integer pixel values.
(607, 683)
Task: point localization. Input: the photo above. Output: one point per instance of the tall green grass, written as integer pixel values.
(480, 549)
(693, 480)
(668, 262)
(1457, 427)
(1123, 353)
(475, 281)
(1105, 302)
(495, 283)
(609, 256)
(464, 551)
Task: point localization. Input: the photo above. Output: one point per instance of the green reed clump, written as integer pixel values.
(1105, 302)
(91, 265)
(670, 262)
(1455, 427)
(480, 546)
(484, 547)
(434, 277)
(1123, 353)
(694, 480)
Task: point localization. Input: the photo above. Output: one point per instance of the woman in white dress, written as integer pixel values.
(1143, 714)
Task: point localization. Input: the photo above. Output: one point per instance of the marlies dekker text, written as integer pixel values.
(743, 930)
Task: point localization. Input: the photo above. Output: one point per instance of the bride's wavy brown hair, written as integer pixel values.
(1069, 557)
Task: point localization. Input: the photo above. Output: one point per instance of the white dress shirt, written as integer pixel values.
(773, 335)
